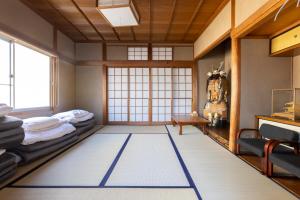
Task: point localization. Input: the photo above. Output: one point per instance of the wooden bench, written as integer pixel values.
(183, 120)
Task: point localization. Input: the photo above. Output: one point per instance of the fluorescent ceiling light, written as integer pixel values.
(119, 12)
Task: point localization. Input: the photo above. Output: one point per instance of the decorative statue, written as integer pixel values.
(217, 92)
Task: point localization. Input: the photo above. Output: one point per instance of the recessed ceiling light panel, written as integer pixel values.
(119, 13)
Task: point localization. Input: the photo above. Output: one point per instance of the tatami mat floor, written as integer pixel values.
(145, 162)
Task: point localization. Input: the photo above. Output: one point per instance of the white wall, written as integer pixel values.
(260, 73)
(296, 71)
(245, 8)
(65, 46)
(117, 52)
(89, 84)
(183, 53)
(88, 51)
(19, 18)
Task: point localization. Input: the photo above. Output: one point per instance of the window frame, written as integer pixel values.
(53, 73)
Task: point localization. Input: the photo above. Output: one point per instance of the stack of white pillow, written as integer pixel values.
(74, 116)
(39, 129)
(4, 109)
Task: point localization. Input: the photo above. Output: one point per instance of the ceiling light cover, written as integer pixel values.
(119, 13)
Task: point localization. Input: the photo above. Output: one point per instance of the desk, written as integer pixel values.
(183, 120)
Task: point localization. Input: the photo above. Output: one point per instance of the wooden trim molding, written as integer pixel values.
(257, 18)
(195, 87)
(125, 63)
(104, 95)
(235, 92)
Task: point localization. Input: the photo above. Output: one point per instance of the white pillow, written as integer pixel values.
(40, 123)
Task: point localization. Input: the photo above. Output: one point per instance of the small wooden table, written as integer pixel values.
(183, 120)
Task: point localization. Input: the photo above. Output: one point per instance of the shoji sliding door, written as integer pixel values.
(161, 94)
(148, 94)
(139, 94)
(118, 94)
(182, 91)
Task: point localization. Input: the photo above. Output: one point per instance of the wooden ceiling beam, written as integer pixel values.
(195, 13)
(133, 33)
(150, 20)
(87, 19)
(171, 19)
(116, 33)
(65, 18)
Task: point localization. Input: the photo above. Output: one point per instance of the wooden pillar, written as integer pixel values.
(195, 86)
(235, 92)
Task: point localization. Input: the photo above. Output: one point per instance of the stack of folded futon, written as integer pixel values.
(44, 135)
(11, 135)
(81, 119)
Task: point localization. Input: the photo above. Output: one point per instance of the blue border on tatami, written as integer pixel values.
(104, 180)
(186, 172)
(114, 163)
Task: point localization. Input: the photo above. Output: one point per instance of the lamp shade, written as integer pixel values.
(119, 13)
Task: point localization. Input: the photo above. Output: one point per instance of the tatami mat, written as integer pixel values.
(97, 194)
(148, 160)
(218, 174)
(134, 129)
(84, 165)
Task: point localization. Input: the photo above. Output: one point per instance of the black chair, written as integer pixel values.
(263, 138)
(289, 162)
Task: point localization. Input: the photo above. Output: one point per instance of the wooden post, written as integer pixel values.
(195, 87)
(235, 93)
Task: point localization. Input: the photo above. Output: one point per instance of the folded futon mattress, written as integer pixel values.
(8, 166)
(32, 152)
(8, 123)
(11, 132)
(82, 127)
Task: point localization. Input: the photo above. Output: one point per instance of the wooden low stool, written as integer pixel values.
(183, 120)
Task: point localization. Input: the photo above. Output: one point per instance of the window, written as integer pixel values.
(24, 76)
(137, 53)
(32, 78)
(5, 79)
(162, 53)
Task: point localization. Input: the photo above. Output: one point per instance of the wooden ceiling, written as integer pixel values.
(161, 20)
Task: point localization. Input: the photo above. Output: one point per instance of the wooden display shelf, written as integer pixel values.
(279, 120)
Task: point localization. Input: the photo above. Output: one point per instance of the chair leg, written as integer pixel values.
(270, 169)
(238, 149)
(264, 165)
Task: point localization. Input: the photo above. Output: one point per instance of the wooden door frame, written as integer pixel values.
(150, 65)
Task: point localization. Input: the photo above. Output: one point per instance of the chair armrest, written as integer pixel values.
(241, 131)
(276, 143)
